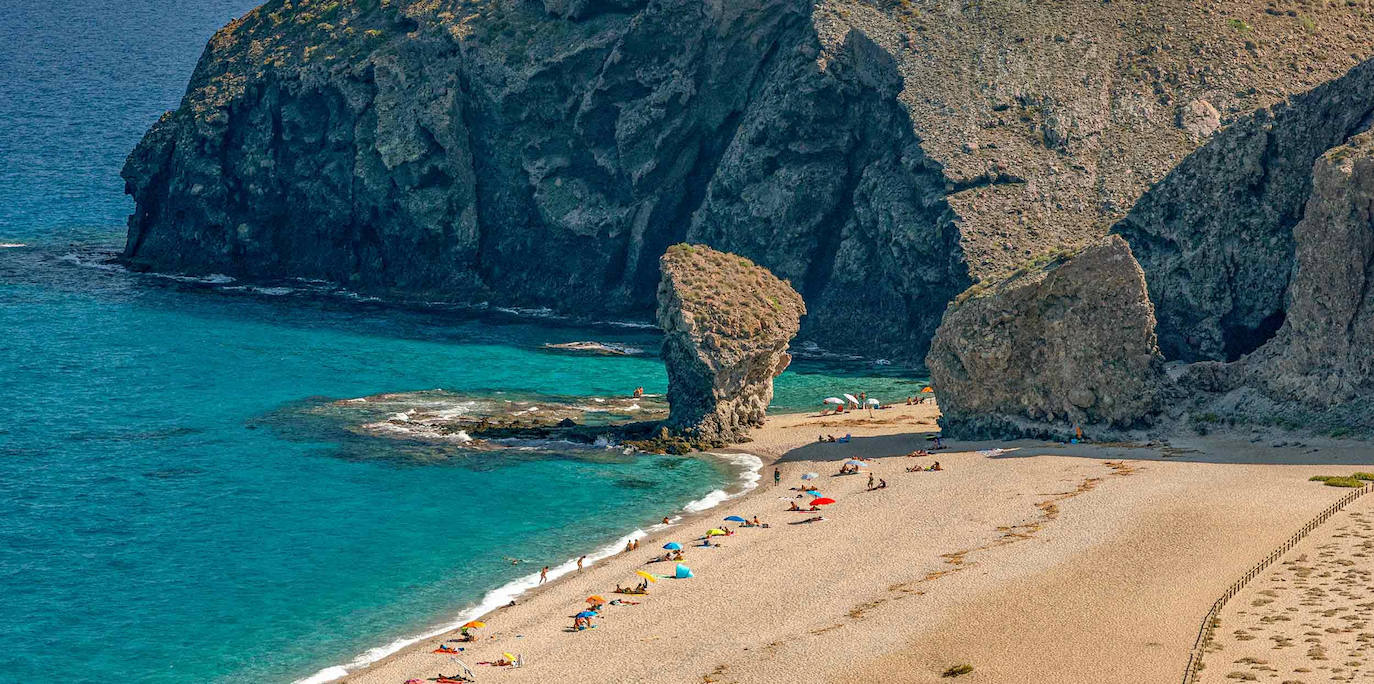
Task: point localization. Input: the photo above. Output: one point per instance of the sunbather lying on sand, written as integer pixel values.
(819, 518)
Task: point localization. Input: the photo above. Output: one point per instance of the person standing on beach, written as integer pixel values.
(544, 575)
(579, 563)
(777, 477)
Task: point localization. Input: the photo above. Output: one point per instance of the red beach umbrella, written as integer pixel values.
(823, 501)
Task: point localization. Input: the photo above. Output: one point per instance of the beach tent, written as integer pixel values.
(683, 572)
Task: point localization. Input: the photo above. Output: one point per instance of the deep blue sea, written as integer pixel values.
(172, 504)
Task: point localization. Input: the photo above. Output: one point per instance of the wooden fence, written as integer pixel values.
(1211, 621)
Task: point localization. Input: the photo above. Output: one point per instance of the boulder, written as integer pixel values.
(1058, 344)
(726, 324)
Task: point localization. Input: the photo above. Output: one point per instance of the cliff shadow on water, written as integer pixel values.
(547, 155)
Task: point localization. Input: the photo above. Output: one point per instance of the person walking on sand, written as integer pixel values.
(544, 575)
(579, 563)
(870, 480)
(777, 477)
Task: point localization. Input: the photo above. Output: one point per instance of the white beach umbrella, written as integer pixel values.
(874, 402)
(853, 399)
(834, 400)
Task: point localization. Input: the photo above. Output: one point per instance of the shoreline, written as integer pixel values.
(929, 565)
(749, 474)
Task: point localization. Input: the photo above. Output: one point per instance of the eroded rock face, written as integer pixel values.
(1324, 354)
(726, 323)
(1215, 237)
(1071, 343)
(545, 154)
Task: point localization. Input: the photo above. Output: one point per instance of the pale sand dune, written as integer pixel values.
(1308, 617)
(1045, 564)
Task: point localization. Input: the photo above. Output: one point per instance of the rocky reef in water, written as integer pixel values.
(726, 325)
(882, 156)
(1067, 343)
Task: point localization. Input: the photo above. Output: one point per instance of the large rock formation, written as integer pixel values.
(1216, 236)
(1066, 343)
(726, 325)
(1322, 359)
(880, 155)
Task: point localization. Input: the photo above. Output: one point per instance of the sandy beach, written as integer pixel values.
(1036, 563)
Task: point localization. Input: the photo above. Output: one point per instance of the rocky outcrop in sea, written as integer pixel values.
(726, 324)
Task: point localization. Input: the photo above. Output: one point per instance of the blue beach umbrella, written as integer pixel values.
(672, 546)
(735, 518)
(586, 614)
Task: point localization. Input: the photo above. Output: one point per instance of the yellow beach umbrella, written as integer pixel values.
(595, 599)
(509, 657)
(474, 624)
(646, 575)
(713, 533)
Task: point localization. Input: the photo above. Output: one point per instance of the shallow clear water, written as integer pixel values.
(157, 518)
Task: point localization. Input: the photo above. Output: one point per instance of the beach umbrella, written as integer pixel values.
(927, 390)
(823, 501)
(509, 657)
(474, 624)
(735, 518)
(810, 476)
(683, 572)
(673, 546)
(714, 532)
(856, 462)
(646, 576)
(595, 599)
(586, 614)
(813, 492)
(874, 402)
(852, 399)
(834, 400)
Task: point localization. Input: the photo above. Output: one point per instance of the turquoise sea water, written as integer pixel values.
(162, 514)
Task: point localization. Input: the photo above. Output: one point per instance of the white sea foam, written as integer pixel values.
(11, 245)
(749, 478)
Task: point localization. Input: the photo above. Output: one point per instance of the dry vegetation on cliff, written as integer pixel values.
(735, 303)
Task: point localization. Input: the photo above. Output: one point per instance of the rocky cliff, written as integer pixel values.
(1313, 372)
(726, 323)
(1319, 368)
(881, 155)
(1216, 236)
(1060, 344)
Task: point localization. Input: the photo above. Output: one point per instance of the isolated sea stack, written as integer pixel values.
(726, 323)
(1063, 341)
